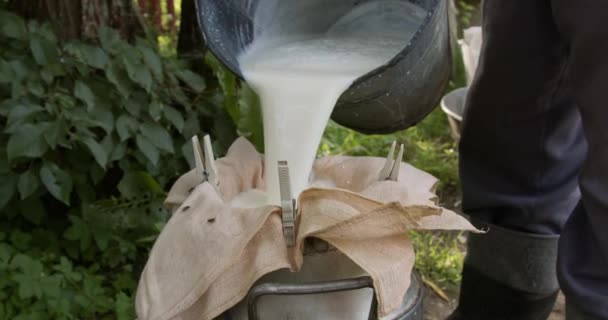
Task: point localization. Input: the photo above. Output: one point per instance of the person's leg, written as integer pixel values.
(583, 252)
(520, 154)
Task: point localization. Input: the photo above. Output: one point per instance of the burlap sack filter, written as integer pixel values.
(210, 254)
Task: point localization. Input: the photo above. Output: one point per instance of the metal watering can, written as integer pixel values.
(392, 97)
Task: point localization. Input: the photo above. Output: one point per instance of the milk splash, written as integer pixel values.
(299, 79)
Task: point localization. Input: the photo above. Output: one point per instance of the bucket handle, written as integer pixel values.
(281, 289)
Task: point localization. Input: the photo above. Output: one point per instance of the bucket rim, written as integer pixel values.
(449, 111)
(234, 68)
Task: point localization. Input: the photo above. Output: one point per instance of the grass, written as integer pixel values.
(439, 256)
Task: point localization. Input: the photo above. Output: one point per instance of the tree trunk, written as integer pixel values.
(190, 42)
(171, 13)
(80, 19)
(156, 15)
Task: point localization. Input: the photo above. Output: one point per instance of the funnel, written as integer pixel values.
(392, 97)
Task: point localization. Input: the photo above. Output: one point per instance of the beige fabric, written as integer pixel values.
(210, 254)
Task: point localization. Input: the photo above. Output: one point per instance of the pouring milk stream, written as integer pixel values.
(300, 78)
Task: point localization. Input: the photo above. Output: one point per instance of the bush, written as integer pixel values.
(91, 136)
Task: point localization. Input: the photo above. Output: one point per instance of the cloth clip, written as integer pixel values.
(288, 205)
(390, 171)
(205, 162)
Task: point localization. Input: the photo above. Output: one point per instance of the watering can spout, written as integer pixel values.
(392, 97)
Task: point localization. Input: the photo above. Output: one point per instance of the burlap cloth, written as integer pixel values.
(209, 254)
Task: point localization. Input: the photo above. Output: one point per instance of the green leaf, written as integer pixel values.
(147, 148)
(118, 152)
(28, 277)
(36, 87)
(153, 61)
(118, 77)
(143, 77)
(97, 150)
(22, 112)
(4, 167)
(26, 264)
(7, 75)
(27, 141)
(134, 184)
(104, 118)
(32, 210)
(110, 39)
(157, 135)
(174, 117)
(155, 109)
(102, 237)
(51, 286)
(228, 83)
(28, 183)
(55, 133)
(192, 125)
(7, 188)
(126, 126)
(137, 71)
(84, 93)
(94, 56)
(138, 100)
(56, 181)
(64, 266)
(84, 188)
(79, 230)
(21, 69)
(12, 26)
(51, 71)
(250, 122)
(6, 253)
(193, 80)
(188, 153)
(107, 143)
(43, 50)
(124, 307)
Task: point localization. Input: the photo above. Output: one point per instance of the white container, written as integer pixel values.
(453, 105)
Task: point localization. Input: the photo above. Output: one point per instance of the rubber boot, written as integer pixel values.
(508, 275)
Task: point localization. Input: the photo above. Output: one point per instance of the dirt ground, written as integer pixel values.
(435, 308)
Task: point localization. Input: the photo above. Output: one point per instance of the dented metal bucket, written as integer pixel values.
(392, 97)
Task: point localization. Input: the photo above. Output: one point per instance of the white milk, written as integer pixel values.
(299, 80)
(253, 198)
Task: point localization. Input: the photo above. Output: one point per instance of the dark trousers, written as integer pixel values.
(534, 147)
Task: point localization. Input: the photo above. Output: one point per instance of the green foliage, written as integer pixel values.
(466, 10)
(241, 102)
(91, 135)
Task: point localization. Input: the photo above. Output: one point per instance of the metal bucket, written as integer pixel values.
(392, 97)
(329, 286)
(453, 105)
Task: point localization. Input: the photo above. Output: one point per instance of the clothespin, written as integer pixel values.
(390, 171)
(288, 205)
(205, 162)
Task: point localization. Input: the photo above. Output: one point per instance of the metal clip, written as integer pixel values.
(390, 171)
(288, 205)
(205, 162)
